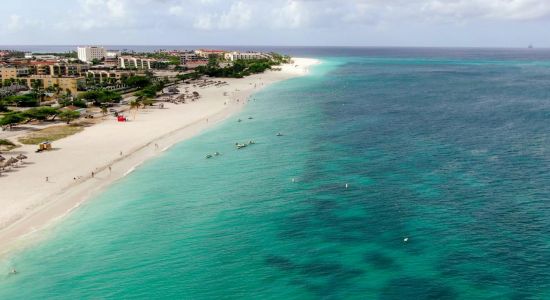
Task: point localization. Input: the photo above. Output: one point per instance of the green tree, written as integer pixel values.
(137, 81)
(134, 106)
(3, 106)
(41, 113)
(36, 84)
(11, 119)
(26, 100)
(57, 89)
(69, 115)
(104, 111)
(147, 102)
(100, 97)
(150, 92)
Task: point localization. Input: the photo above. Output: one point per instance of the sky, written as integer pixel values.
(423, 23)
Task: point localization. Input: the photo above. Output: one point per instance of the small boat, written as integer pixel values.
(208, 156)
(240, 146)
(251, 142)
(279, 134)
(250, 118)
(239, 120)
(217, 153)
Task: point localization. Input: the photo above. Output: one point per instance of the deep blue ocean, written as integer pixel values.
(446, 147)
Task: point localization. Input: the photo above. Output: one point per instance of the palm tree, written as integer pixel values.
(134, 105)
(57, 89)
(104, 111)
(36, 86)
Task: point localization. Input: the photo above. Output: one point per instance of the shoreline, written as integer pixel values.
(34, 204)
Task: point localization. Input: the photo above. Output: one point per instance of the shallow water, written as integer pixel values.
(448, 150)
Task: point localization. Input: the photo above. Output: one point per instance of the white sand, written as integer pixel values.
(29, 203)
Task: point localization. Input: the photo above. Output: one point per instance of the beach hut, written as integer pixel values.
(44, 146)
(21, 157)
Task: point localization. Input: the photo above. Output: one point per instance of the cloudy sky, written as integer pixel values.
(496, 23)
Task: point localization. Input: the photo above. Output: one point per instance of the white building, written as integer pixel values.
(233, 56)
(188, 57)
(88, 53)
(130, 62)
(30, 55)
(112, 54)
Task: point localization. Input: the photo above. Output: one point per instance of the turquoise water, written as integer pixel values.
(451, 153)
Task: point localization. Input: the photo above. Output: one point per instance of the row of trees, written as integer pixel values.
(98, 98)
(44, 113)
(237, 69)
(25, 100)
(12, 81)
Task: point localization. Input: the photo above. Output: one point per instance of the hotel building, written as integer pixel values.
(233, 56)
(88, 53)
(129, 62)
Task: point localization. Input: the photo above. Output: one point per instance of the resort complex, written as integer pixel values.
(45, 97)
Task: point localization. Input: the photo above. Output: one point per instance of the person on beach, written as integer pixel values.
(93, 174)
(47, 179)
(109, 169)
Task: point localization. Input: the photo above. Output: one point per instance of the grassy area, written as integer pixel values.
(7, 145)
(52, 133)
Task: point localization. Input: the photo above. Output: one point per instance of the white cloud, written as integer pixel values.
(203, 22)
(176, 10)
(238, 16)
(488, 9)
(137, 20)
(14, 23)
(95, 14)
(292, 14)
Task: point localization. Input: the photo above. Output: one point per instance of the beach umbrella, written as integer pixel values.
(21, 157)
(11, 161)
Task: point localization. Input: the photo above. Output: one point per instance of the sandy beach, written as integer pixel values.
(111, 150)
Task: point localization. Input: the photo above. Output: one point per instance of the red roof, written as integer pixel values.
(211, 51)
